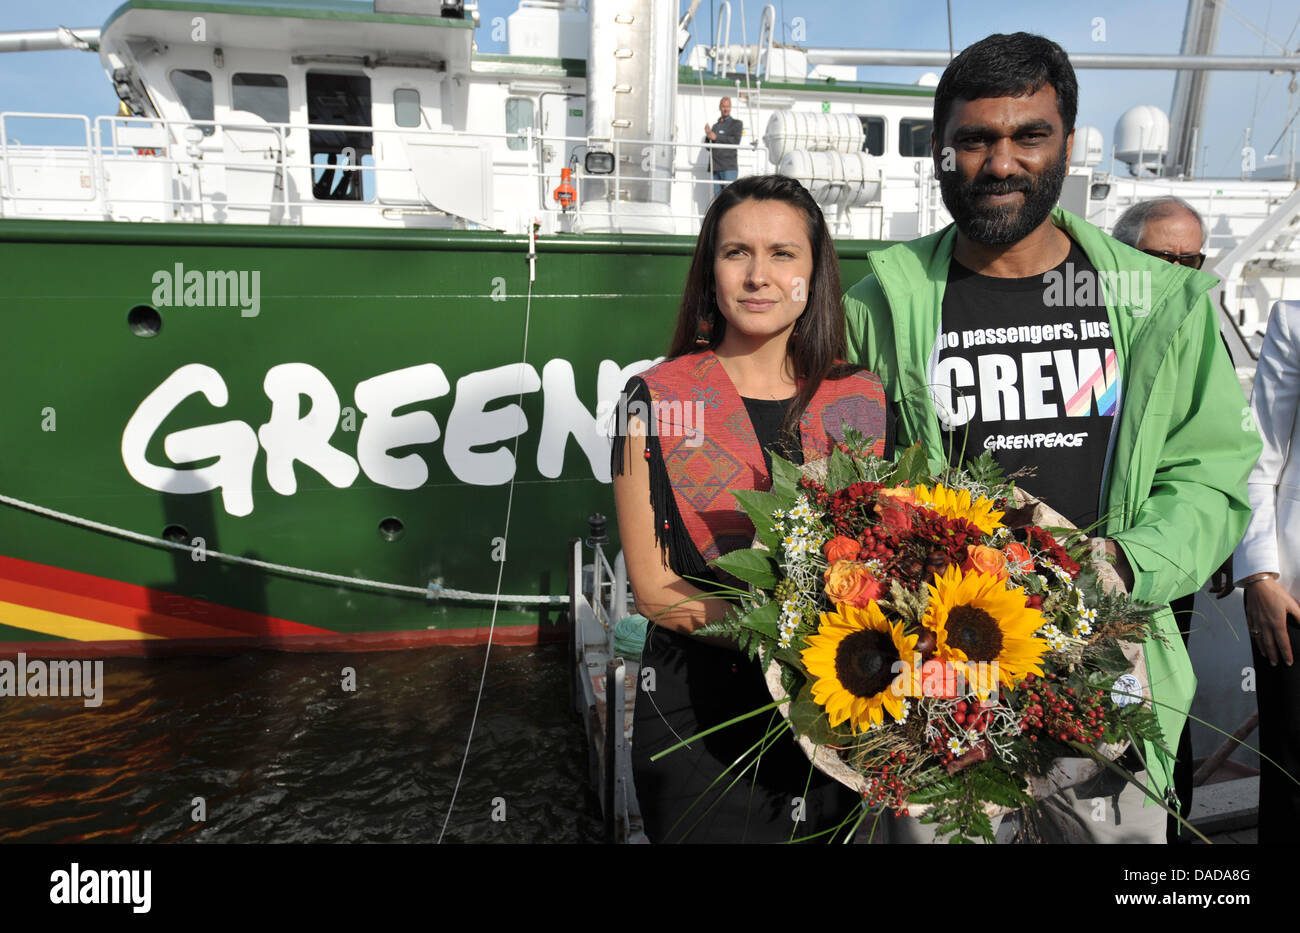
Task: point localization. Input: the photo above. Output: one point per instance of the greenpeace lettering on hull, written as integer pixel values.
(476, 440)
(87, 886)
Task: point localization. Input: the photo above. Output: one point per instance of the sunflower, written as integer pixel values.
(854, 659)
(978, 621)
(953, 504)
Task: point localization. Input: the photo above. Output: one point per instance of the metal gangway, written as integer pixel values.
(603, 684)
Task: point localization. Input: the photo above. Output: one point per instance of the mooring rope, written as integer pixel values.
(431, 591)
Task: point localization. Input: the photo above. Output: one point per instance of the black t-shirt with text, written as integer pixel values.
(1026, 368)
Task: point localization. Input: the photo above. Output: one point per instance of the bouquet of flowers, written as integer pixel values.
(941, 643)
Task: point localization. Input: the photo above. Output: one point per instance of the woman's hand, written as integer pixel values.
(661, 595)
(1267, 607)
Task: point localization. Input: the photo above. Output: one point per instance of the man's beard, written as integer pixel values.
(998, 225)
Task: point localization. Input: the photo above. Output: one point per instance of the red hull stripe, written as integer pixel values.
(135, 607)
(83, 607)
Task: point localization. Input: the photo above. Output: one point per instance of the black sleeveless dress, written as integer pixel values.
(690, 795)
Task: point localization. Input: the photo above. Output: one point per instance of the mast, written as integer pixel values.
(1200, 34)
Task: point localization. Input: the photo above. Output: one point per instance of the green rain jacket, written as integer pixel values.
(1173, 492)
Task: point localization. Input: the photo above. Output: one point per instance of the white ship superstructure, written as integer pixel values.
(385, 115)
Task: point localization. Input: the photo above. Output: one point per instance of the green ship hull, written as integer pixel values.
(101, 317)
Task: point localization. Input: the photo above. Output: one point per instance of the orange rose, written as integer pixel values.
(899, 494)
(985, 560)
(850, 582)
(841, 548)
(1018, 557)
(939, 679)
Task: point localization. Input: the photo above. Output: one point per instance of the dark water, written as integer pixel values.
(280, 752)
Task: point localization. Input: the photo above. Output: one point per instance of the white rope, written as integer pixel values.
(432, 591)
(510, 498)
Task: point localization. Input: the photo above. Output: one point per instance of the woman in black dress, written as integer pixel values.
(756, 355)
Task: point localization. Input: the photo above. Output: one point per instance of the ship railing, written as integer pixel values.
(54, 156)
(117, 140)
(1242, 202)
(673, 175)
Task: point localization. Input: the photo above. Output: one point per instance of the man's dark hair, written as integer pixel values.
(1004, 65)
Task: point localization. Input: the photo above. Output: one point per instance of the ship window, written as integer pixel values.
(519, 116)
(914, 137)
(406, 106)
(265, 95)
(194, 88)
(873, 135)
(342, 100)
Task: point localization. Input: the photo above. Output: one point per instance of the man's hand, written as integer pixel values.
(1267, 608)
(708, 132)
(1116, 556)
(1221, 584)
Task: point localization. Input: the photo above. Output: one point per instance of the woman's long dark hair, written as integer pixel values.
(819, 340)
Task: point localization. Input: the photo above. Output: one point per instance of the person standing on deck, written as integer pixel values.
(727, 131)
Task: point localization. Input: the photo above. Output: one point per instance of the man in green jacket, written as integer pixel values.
(1094, 369)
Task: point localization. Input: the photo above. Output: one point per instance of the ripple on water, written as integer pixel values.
(280, 753)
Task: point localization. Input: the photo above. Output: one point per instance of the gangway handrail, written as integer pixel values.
(722, 40)
(766, 23)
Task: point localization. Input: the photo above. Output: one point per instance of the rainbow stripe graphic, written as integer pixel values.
(1106, 390)
(53, 612)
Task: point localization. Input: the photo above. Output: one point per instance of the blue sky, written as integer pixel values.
(74, 82)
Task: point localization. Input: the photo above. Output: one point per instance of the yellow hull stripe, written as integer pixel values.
(63, 626)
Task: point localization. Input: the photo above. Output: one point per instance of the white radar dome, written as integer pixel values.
(1142, 135)
(1087, 146)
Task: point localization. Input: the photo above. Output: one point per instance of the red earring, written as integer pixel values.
(704, 331)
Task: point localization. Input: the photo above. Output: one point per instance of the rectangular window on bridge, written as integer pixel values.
(873, 135)
(194, 89)
(519, 116)
(406, 107)
(914, 137)
(265, 95)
